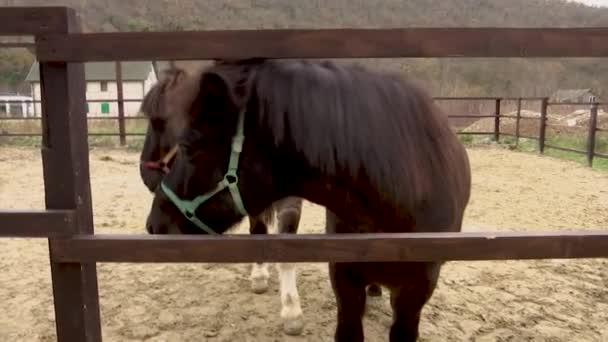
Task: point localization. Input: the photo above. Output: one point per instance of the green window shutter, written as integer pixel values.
(105, 108)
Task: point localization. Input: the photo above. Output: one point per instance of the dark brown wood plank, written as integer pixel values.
(497, 120)
(543, 125)
(17, 21)
(591, 134)
(121, 105)
(66, 177)
(337, 247)
(326, 43)
(517, 121)
(35, 223)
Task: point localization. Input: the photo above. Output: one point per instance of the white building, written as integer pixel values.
(16, 106)
(138, 78)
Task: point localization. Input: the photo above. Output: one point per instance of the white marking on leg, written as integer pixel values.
(291, 311)
(259, 278)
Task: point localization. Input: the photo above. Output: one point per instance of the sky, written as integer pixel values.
(603, 3)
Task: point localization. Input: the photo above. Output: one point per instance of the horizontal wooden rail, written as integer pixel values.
(337, 247)
(38, 118)
(520, 136)
(20, 21)
(36, 223)
(17, 45)
(8, 135)
(325, 43)
(473, 98)
(570, 103)
(507, 116)
(90, 134)
(474, 133)
(470, 116)
(565, 149)
(114, 134)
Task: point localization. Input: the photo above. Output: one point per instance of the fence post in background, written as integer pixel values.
(121, 105)
(543, 124)
(592, 132)
(517, 120)
(497, 120)
(65, 161)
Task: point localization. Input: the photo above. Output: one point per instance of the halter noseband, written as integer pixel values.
(230, 181)
(163, 162)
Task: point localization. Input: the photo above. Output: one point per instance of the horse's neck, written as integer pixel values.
(352, 200)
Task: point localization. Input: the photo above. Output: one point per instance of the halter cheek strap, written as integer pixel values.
(188, 207)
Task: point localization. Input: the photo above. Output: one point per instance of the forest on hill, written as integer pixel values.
(443, 77)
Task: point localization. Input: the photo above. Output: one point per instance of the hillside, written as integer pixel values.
(445, 77)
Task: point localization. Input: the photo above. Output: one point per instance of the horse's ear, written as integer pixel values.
(227, 84)
(173, 78)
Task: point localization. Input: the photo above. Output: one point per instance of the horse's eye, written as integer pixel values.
(190, 150)
(191, 143)
(187, 148)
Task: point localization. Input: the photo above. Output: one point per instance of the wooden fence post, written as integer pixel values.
(497, 120)
(517, 120)
(121, 105)
(67, 186)
(543, 124)
(592, 133)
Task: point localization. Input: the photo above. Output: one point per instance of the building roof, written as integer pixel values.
(105, 71)
(570, 94)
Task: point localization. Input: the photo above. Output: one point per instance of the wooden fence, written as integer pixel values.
(67, 220)
(497, 115)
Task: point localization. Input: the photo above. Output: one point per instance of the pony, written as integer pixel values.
(371, 147)
(165, 123)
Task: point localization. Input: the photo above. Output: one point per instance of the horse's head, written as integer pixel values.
(222, 164)
(165, 107)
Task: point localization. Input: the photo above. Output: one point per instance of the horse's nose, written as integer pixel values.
(149, 227)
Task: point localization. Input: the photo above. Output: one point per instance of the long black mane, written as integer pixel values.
(372, 124)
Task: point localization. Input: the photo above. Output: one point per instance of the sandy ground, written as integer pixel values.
(551, 300)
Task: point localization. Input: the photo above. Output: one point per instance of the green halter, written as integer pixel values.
(230, 181)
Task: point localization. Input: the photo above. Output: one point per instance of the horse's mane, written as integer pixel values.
(349, 118)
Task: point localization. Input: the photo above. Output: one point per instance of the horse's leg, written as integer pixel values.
(408, 300)
(349, 290)
(259, 271)
(288, 212)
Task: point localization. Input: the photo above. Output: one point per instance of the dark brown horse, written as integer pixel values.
(165, 123)
(372, 148)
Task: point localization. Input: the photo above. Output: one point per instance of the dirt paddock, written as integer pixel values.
(550, 300)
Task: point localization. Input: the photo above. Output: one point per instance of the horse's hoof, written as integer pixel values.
(293, 327)
(259, 285)
(374, 290)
